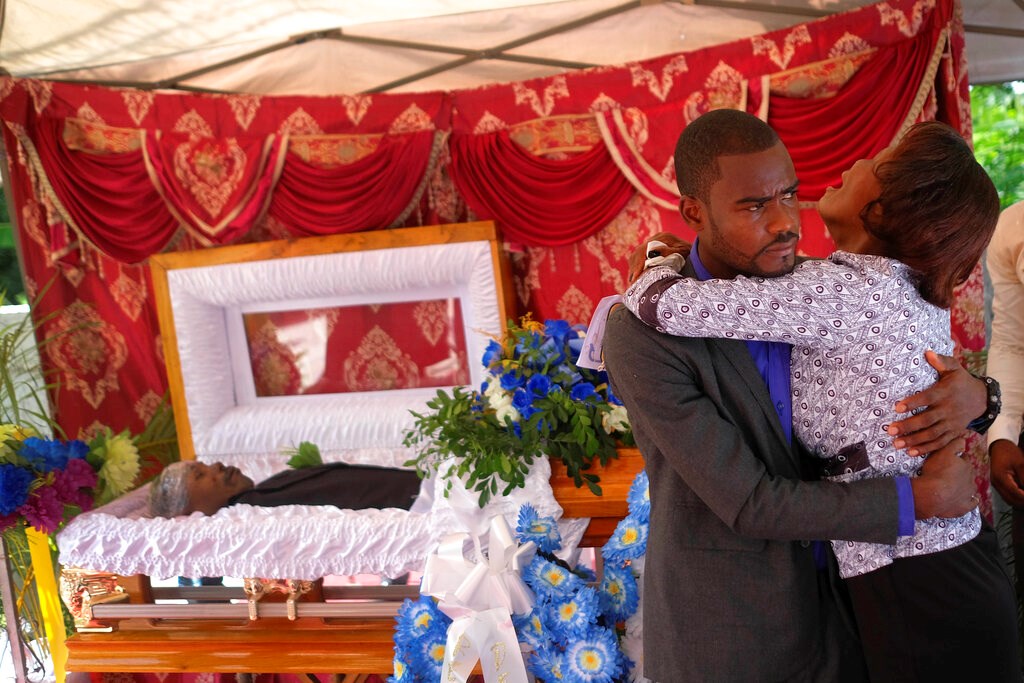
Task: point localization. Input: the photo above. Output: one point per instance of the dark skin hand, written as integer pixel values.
(946, 486)
(956, 397)
(1007, 469)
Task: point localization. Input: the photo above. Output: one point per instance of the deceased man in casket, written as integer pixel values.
(187, 487)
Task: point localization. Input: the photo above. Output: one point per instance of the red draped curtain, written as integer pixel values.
(576, 169)
(377, 190)
(540, 201)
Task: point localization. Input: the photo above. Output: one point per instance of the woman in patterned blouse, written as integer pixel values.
(909, 226)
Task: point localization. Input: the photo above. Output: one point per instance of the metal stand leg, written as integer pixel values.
(11, 612)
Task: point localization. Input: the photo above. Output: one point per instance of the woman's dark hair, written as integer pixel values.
(937, 208)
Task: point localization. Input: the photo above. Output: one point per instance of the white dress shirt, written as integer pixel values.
(1005, 262)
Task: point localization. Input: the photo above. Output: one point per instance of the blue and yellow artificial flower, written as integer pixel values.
(619, 594)
(572, 616)
(628, 542)
(402, 672)
(430, 656)
(419, 618)
(530, 627)
(543, 531)
(595, 658)
(547, 664)
(548, 579)
(639, 498)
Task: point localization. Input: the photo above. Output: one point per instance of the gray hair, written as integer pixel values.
(168, 494)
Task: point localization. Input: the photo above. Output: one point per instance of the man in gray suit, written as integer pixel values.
(733, 590)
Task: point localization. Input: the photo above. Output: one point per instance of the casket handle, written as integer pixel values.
(82, 589)
(256, 589)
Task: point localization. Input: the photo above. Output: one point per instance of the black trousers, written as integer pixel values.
(946, 616)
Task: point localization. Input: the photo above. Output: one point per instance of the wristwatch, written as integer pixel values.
(993, 404)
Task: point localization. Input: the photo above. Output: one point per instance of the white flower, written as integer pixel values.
(507, 410)
(499, 400)
(615, 420)
(120, 463)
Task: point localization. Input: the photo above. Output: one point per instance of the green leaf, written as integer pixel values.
(306, 455)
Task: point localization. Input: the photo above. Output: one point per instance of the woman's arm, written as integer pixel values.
(817, 305)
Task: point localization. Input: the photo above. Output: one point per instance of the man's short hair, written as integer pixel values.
(168, 493)
(717, 133)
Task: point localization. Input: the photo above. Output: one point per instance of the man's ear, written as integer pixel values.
(694, 212)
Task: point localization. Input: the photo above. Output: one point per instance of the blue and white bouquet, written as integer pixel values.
(577, 630)
(535, 402)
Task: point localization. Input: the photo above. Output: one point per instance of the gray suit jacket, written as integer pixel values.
(731, 590)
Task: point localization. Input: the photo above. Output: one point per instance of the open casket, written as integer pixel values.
(332, 340)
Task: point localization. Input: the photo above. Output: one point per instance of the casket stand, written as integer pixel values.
(285, 620)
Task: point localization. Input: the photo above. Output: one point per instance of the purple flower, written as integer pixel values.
(7, 521)
(75, 484)
(43, 510)
(14, 483)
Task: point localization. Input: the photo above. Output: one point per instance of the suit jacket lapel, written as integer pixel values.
(736, 353)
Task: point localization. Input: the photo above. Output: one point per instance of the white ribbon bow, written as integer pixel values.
(480, 597)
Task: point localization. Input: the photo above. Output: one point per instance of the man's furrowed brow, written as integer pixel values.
(762, 200)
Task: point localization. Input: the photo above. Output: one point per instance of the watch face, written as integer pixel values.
(995, 404)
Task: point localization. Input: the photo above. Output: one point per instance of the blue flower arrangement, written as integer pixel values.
(575, 629)
(45, 482)
(536, 401)
(420, 638)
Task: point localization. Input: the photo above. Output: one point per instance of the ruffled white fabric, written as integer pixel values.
(292, 541)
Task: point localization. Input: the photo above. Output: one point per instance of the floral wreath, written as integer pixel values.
(577, 631)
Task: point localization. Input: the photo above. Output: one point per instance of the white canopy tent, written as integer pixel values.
(309, 47)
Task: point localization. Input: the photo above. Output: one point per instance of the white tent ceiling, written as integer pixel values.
(325, 46)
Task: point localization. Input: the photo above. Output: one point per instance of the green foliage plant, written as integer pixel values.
(536, 402)
(997, 113)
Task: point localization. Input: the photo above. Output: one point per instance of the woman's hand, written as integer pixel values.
(673, 245)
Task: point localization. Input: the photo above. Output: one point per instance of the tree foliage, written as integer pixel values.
(998, 115)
